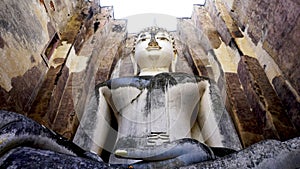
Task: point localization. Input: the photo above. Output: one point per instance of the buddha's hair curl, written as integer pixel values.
(154, 29)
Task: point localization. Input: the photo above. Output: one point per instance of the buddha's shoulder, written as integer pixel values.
(134, 81)
(144, 81)
(181, 77)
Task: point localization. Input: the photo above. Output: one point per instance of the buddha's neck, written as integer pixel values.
(153, 71)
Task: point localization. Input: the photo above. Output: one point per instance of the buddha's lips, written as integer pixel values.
(153, 48)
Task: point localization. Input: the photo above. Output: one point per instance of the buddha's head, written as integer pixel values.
(154, 52)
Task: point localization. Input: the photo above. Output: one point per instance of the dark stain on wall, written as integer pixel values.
(52, 5)
(43, 3)
(32, 59)
(4, 24)
(2, 42)
(23, 92)
(118, 28)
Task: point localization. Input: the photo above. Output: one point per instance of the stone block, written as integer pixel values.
(23, 92)
(264, 101)
(265, 154)
(203, 22)
(288, 57)
(223, 22)
(66, 122)
(245, 120)
(44, 107)
(289, 100)
(60, 84)
(276, 24)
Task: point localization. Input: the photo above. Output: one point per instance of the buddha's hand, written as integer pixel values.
(177, 153)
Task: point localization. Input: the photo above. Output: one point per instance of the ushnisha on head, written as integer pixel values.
(154, 52)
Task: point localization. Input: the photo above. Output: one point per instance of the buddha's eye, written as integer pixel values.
(141, 40)
(163, 38)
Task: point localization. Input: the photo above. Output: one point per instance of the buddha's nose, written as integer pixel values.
(153, 43)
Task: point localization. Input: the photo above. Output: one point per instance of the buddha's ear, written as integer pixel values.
(134, 63)
(174, 61)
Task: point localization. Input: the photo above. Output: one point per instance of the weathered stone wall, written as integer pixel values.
(250, 131)
(289, 100)
(83, 67)
(27, 28)
(276, 25)
(48, 76)
(84, 46)
(225, 25)
(262, 99)
(104, 48)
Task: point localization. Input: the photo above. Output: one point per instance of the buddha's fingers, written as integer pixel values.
(167, 151)
(183, 160)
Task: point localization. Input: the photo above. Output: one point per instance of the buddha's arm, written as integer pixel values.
(103, 125)
(207, 115)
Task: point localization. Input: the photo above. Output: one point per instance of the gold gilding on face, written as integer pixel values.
(153, 45)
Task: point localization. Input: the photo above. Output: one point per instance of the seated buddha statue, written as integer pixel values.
(157, 108)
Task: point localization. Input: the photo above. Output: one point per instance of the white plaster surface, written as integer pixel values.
(60, 52)
(76, 63)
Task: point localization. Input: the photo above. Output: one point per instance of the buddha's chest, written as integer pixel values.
(155, 107)
(159, 114)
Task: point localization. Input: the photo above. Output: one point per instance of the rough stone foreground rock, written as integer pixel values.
(266, 154)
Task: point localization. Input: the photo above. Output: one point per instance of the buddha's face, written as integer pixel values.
(154, 51)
